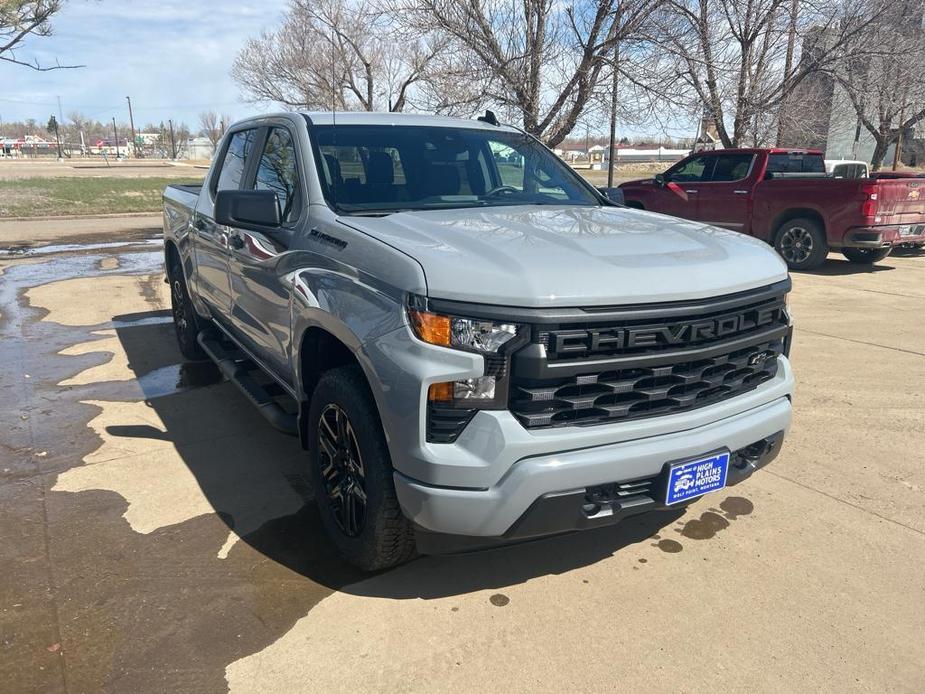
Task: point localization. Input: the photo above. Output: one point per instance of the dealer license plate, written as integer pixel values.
(696, 477)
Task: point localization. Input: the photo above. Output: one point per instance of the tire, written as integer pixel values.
(866, 256)
(186, 322)
(352, 473)
(632, 204)
(801, 243)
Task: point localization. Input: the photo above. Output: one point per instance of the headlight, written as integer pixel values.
(452, 404)
(475, 335)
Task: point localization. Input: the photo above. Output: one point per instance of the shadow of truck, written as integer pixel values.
(255, 480)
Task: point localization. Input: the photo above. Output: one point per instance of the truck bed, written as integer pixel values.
(179, 204)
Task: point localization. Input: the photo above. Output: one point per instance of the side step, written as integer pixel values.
(240, 370)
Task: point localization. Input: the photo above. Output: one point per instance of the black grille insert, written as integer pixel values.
(633, 393)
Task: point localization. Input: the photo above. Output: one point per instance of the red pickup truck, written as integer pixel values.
(784, 197)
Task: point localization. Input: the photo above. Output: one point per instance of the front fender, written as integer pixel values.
(352, 309)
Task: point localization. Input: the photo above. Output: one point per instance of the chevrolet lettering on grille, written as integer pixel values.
(681, 334)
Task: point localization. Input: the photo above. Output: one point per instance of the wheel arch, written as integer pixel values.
(796, 213)
(171, 254)
(320, 349)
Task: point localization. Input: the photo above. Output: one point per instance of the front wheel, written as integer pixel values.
(352, 473)
(801, 243)
(866, 256)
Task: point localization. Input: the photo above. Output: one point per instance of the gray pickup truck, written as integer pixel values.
(473, 344)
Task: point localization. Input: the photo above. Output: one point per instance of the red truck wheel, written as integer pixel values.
(802, 243)
(866, 255)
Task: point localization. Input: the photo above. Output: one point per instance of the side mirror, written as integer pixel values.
(661, 179)
(256, 210)
(612, 194)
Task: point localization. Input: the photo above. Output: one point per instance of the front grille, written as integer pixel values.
(617, 492)
(645, 392)
(595, 373)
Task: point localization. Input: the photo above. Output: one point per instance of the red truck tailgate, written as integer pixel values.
(901, 201)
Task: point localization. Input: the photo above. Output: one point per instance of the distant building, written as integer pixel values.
(818, 114)
(197, 148)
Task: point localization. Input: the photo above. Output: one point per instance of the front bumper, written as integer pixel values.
(883, 236)
(597, 506)
(493, 514)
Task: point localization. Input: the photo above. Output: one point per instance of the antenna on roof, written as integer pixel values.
(489, 118)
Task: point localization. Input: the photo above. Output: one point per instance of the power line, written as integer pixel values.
(209, 104)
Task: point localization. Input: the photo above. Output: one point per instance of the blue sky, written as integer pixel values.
(172, 57)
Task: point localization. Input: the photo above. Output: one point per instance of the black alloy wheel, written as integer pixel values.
(802, 244)
(352, 473)
(185, 321)
(866, 256)
(342, 470)
(796, 245)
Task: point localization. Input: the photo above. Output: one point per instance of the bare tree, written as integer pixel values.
(734, 58)
(536, 60)
(336, 54)
(21, 19)
(211, 127)
(887, 89)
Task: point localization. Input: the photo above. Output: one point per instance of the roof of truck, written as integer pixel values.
(769, 150)
(418, 119)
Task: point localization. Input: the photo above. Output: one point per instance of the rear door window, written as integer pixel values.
(278, 171)
(235, 160)
(732, 167)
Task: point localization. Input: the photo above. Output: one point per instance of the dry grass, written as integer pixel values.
(39, 197)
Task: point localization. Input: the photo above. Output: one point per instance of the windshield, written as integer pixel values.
(386, 168)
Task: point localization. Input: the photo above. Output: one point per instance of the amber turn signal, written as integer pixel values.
(440, 392)
(431, 327)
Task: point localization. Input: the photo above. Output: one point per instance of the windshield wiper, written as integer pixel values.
(371, 213)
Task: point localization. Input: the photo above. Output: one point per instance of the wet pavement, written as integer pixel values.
(157, 535)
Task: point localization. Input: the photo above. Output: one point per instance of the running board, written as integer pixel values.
(239, 370)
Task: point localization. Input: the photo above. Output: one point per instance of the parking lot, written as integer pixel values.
(158, 535)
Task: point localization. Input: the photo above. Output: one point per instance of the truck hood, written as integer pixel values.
(532, 256)
(638, 182)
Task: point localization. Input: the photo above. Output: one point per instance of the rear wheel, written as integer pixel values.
(352, 473)
(866, 255)
(801, 243)
(186, 322)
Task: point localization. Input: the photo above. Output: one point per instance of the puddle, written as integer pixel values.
(705, 527)
(736, 506)
(670, 546)
(30, 252)
(177, 378)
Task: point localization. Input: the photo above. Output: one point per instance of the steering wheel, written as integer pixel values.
(501, 189)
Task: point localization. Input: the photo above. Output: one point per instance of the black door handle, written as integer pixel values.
(236, 242)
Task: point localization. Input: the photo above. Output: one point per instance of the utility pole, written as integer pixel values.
(60, 112)
(116, 135)
(131, 121)
(173, 142)
(612, 157)
(53, 122)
